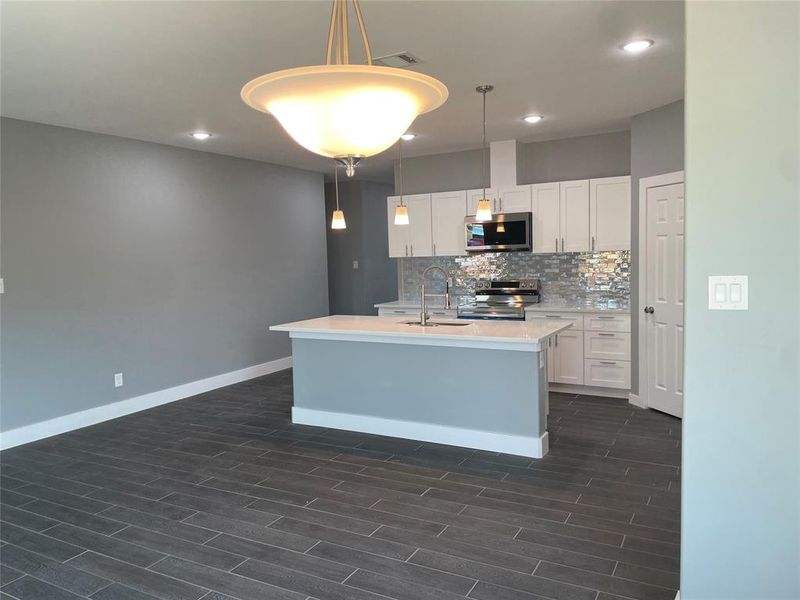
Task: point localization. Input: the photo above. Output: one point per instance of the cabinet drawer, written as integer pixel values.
(607, 373)
(393, 312)
(607, 345)
(601, 322)
(575, 319)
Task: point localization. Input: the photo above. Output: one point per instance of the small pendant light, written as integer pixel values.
(484, 212)
(337, 222)
(400, 211)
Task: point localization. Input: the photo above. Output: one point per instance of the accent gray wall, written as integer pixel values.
(356, 291)
(741, 429)
(656, 148)
(584, 157)
(165, 264)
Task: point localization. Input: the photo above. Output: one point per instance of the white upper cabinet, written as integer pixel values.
(414, 239)
(546, 217)
(514, 199)
(610, 210)
(574, 216)
(473, 196)
(448, 210)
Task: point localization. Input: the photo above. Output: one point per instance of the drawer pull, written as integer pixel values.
(599, 317)
(553, 316)
(399, 312)
(607, 334)
(607, 362)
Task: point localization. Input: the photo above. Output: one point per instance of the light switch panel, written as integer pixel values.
(727, 292)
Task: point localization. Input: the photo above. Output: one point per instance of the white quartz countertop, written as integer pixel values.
(527, 336)
(543, 307)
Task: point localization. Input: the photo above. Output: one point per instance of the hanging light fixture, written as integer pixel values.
(484, 212)
(341, 110)
(401, 210)
(337, 221)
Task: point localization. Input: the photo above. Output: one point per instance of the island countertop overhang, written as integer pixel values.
(525, 336)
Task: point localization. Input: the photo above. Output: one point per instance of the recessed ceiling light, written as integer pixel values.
(200, 135)
(532, 118)
(635, 46)
(407, 137)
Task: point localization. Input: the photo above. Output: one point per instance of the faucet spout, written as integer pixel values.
(423, 315)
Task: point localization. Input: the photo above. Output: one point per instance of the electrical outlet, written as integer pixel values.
(117, 379)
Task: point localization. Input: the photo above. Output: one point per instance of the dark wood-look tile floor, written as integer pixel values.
(219, 496)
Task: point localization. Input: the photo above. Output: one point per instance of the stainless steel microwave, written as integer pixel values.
(503, 233)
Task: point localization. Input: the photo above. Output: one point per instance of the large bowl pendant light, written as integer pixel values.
(341, 110)
(484, 211)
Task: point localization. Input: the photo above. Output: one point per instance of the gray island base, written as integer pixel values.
(482, 385)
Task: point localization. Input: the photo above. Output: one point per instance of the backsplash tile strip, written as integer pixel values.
(587, 279)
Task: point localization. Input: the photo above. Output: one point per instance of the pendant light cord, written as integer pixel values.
(483, 157)
(339, 33)
(336, 183)
(400, 167)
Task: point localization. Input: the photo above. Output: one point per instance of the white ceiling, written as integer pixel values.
(157, 70)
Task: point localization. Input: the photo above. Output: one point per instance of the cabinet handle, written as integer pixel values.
(399, 312)
(553, 316)
(556, 244)
(608, 317)
(562, 244)
(406, 249)
(607, 362)
(592, 243)
(412, 249)
(556, 340)
(434, 249)
(607, 334)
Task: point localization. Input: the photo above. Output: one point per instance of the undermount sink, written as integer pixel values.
(436, 324)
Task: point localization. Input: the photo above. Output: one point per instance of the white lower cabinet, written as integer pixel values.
(607, 373)
(568, 357)
(595, 351)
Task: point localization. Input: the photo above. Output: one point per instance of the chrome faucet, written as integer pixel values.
(423, 315)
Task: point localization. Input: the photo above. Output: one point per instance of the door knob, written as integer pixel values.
(649, 310)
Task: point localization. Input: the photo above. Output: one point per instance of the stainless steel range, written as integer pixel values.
(501, 300)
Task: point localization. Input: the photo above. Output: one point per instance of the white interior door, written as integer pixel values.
(664, 301)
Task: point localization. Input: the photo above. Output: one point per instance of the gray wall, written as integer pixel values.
(741, 428)
(656, 148)
(356, 291)
(602, 155)
(162, 263)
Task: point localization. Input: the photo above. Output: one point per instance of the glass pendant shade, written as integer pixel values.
(501, 228)
(345, 110)
(338, 222)
(401, 215)
(484, 212)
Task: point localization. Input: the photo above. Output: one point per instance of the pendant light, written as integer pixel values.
(484, 212)
(337, 222)
(342, 110)
(401, 210)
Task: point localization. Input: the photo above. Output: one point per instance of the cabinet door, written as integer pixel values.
(473, 196)
(568, 351)
(448, 210)
(546, 217)
(514, 199)
(420, 238)
(398, 234)
(574, 199)
(610, 212)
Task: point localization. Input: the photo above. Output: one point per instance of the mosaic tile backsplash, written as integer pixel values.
(591, 279)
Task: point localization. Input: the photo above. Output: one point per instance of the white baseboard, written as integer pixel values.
(426, 432)
(92, 416)
(588, 390)
(636, 400)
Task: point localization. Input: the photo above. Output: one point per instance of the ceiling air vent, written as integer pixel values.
(400, 60)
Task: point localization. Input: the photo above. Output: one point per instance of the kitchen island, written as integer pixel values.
(478, 384)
